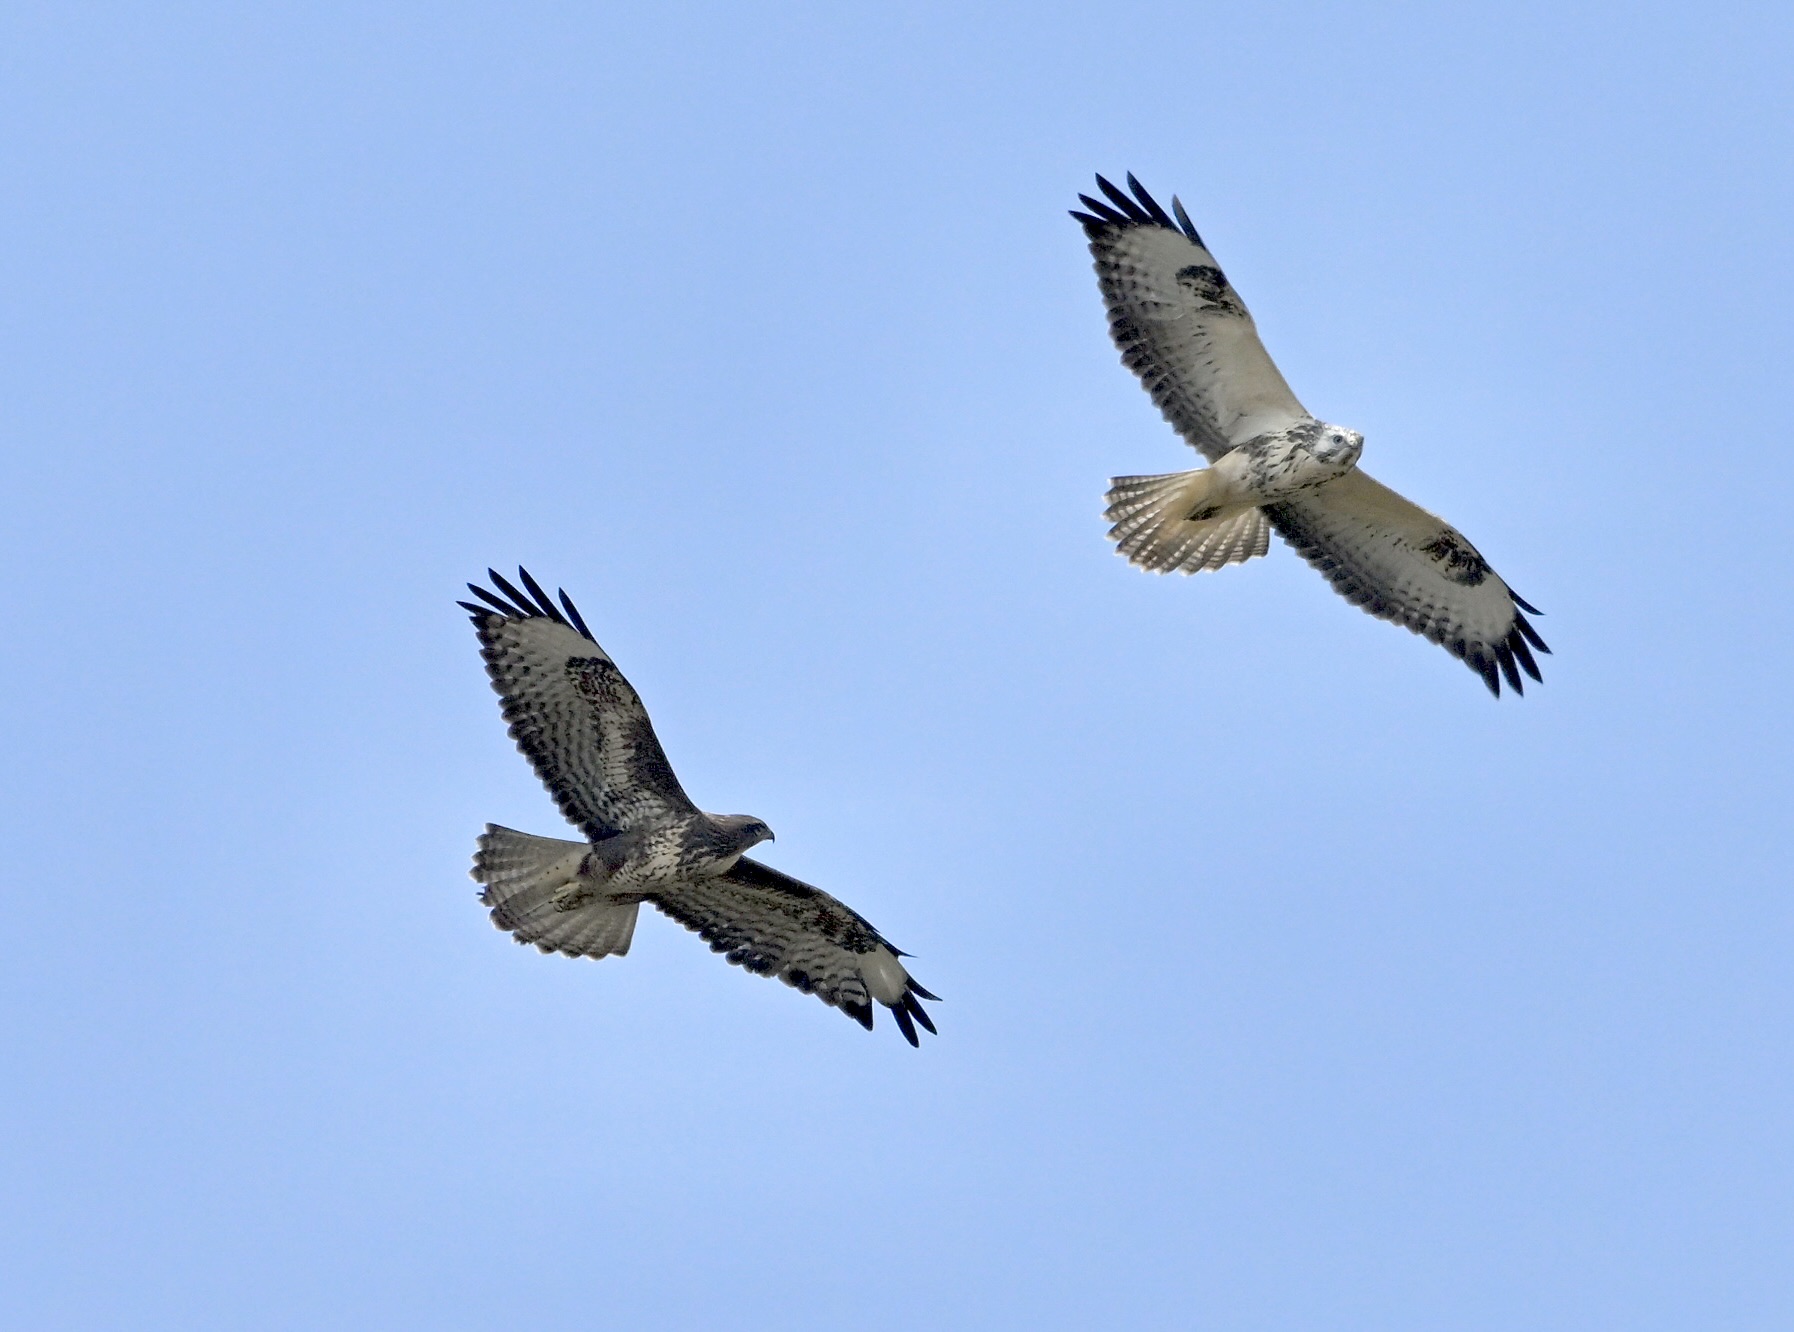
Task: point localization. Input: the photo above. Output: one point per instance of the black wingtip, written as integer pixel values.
(906, 1026)
(529, 605)
(1183, 220)
(1483, 663)
(1150, 204)
(1516, 642)
(521, 604)
(1532, 635)
(1132, 209)
(1136, 209)
(1505, 656)
(1105, 214)
(1523, 603)
(543, 602)
(496, 603)
(918, 1012)
(573, 614)
(916, 988)
(1117, 195)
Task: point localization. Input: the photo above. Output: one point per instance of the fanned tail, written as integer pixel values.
(1153, 527)
(531, 885)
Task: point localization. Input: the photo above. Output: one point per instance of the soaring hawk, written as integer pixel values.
(1184, 331)
(584, 730)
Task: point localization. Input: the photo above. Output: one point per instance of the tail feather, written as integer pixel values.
(597, 929)
(1153, 527)
(524, 878)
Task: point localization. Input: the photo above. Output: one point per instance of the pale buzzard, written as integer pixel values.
(1183, 329)
(585, 732)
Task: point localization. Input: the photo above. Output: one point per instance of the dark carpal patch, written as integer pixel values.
(1208, 285)
(1457, 559)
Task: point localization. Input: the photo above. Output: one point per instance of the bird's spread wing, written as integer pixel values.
(1180, 325)
(1401, 563)
(579, 722)
(774, 925)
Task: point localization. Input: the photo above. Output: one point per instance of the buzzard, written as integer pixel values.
(1184, 331)
(584, 730)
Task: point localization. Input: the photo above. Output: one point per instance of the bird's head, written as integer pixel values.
(748, 830)
(1339, 445)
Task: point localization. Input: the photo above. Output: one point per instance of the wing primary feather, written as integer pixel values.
(504, 585)
(1088, 222)
(1150, 204)
(1183, 220)
(917, 987)
(504, 609)
(1532, 635)
(1523, 654)
(478, 612)
(1505, 655)
(544, 602)
(1484, 665)
(906, 1026)
(918, 1012)
(1102, 210)
(1131, 209)
(1523, 603)
(573, 614)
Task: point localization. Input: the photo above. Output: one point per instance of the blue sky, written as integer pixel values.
(1289, 981)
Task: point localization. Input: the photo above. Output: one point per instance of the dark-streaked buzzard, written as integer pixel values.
(584, 730)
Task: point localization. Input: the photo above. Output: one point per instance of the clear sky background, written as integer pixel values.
(1289, 981)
